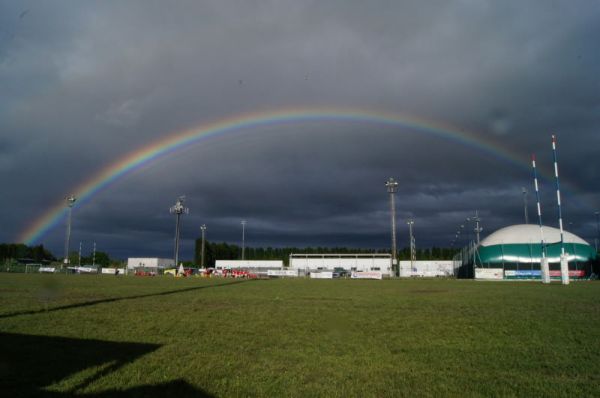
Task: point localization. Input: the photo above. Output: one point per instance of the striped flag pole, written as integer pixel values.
(564, 273)
(544, 269)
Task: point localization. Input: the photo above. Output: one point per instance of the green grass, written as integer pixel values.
(104, 336)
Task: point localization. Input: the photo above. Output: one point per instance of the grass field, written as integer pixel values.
(105, 336)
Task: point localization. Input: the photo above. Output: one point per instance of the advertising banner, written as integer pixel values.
(86, 270)
(574, 273)
(113, 271)
(321, 275)
(47, 269)
(522, 274)
(367, 275)
(286, 272)
(536, 274)
(489, 273)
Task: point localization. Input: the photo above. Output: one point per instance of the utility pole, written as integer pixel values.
(597, 229)
(413, 254)
(392, 188)
(178, 209)
(525, 205)
(80, 254)
(243, 239)
(70, 202)
(203, 229)
(94, 256)
(478, 228)
(474, 240)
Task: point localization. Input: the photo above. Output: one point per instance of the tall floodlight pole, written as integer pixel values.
(413, 255)
(243, 238)
(463, 254)
(474, 242)
(525, 205)
(597, 229)
(564, 262)
(94, 256)
(544, 267)
(79, 254)
(70, 202)
(392, 188)
(203, 229)
(178, 210)
(478, 228)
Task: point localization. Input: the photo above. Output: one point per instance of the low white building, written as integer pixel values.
(360, 262)
(151, 263)
(426, 268)
(257, 266)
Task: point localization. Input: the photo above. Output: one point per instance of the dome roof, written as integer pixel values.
(529, 233)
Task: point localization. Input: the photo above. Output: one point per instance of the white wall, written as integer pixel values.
(249, 264)
(150, 262)
(426, 268)
(349, 262)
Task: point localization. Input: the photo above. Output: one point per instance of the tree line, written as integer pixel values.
(21, 251)
(100, 259)
(224, 251)
(39, 254)
(215, 251)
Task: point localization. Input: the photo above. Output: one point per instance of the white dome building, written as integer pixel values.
(517, 251)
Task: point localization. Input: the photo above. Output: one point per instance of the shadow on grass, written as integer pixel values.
(115, 299)
(62, 367)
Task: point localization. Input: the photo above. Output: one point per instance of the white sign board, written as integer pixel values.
(113, 271)
(489, 273)
(426, 268)
(87, 270)
(367, 275)
(282, 272)
(47, 269)
(321, 275)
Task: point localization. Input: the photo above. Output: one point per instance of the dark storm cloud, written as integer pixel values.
(83, 84)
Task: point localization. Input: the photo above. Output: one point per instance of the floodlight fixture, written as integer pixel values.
(392, 185)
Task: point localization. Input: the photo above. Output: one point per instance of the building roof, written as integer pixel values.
(529, 233)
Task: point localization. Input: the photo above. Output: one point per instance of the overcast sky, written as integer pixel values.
(84, 83)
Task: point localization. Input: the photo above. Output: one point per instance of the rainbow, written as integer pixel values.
(174, 142)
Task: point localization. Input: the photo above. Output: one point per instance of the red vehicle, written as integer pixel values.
(188, 272)
(237, 273)
(143, 272)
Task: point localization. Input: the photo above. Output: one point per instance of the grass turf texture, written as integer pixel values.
(104, 336)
